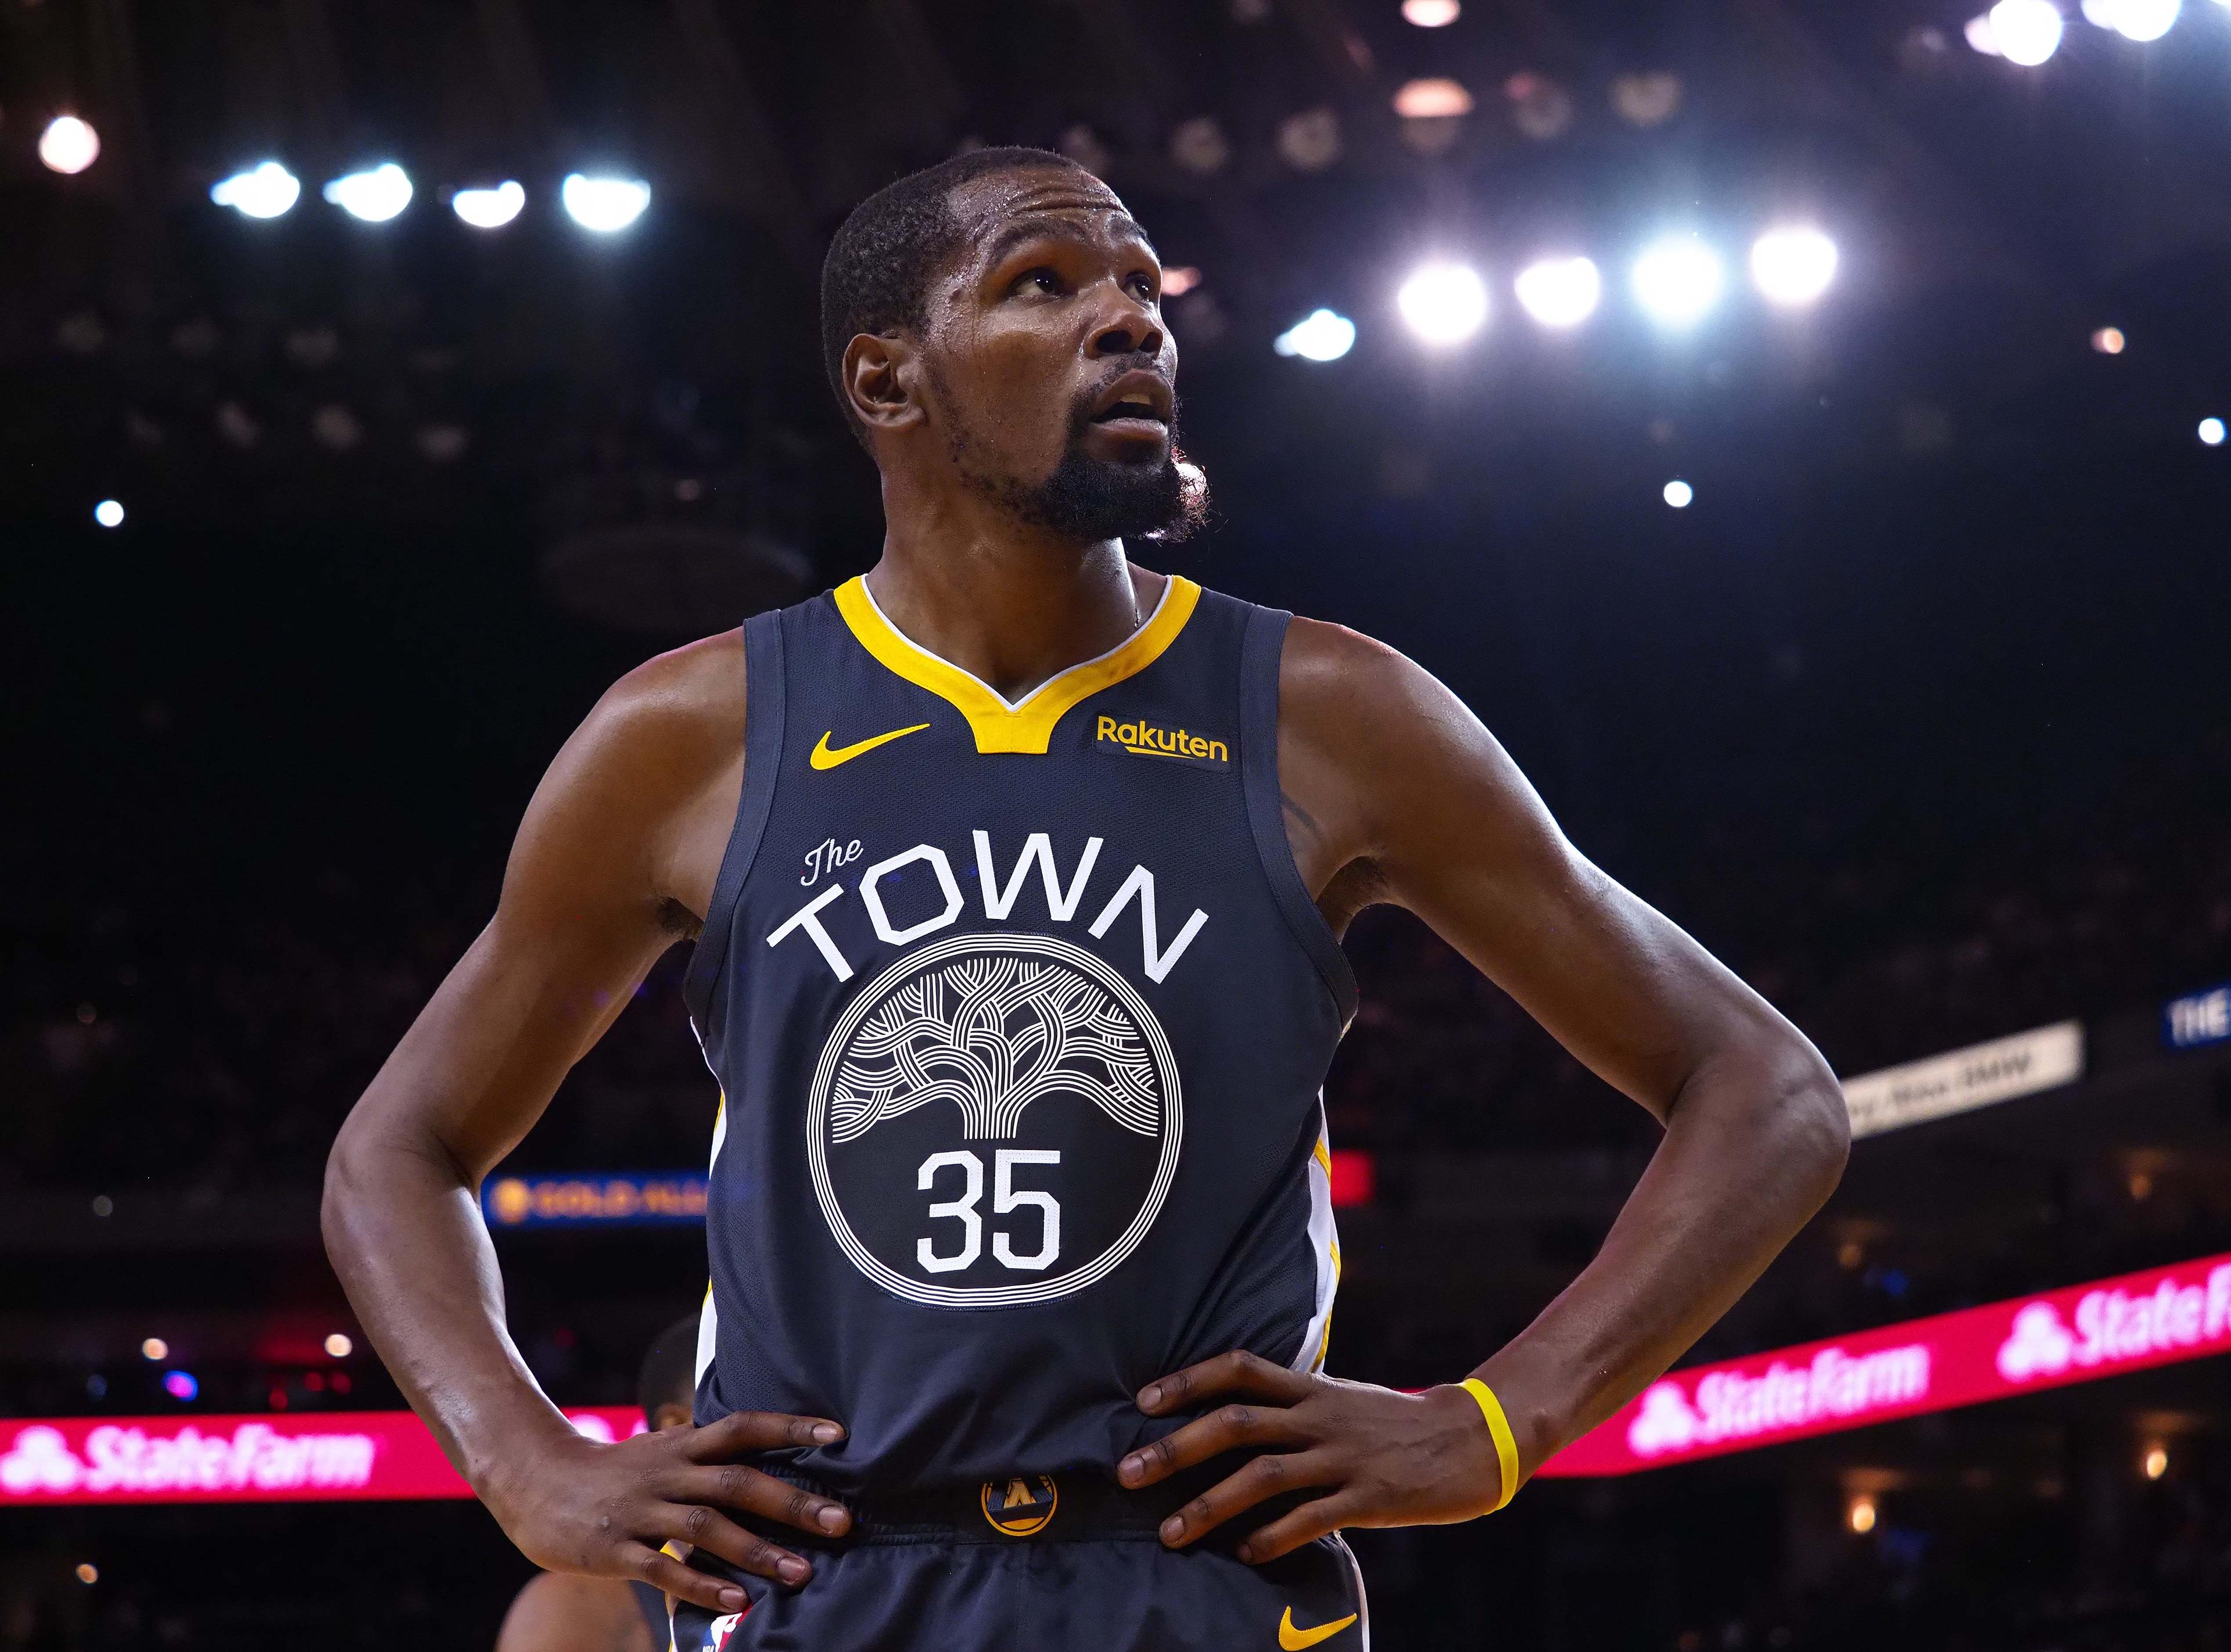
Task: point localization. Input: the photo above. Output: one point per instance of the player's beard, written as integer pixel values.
(1088, 499)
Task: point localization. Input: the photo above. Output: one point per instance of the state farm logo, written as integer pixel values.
(2115, 1327)
(2039, 1346)
(1729, 1405)
(125, 1461)
(41, 1460)
(1665, 1423)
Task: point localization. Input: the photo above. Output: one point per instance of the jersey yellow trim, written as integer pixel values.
(1026, 725)
(1499, 1426)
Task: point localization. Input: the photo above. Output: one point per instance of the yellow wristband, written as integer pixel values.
(1498, 1425)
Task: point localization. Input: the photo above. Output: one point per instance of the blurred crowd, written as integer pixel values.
(195, 1039)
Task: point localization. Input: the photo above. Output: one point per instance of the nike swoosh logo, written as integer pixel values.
(823, 758)
(1295, 1639)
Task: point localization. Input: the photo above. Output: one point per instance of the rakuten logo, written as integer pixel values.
(1729, 1405)
(2112, 1326)
(254, 1457)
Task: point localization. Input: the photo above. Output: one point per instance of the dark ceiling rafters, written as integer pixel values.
(751, 154)
(934, 97)
(320, 87)
(519, 77)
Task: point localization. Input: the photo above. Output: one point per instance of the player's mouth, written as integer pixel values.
(1137, 404)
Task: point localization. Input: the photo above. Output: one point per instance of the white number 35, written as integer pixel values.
(1006, 1198)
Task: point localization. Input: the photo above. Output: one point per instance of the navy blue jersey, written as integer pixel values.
(1020, 1012)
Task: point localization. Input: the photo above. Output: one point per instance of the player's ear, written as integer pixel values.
(882, 380)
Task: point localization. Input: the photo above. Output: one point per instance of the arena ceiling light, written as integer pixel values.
(2026, 32)
(69, 145)
(489, 209)
(1430, 14)
(1677, 279)
(2138, 20)
(266, 190)
(1793, 266)
(373, 195)
(1322, 335)
(1559, 292)
(109, 514)
(1444, 303)
(2212, 432)
(603, 204)
(1435, 98)
(1677, 493)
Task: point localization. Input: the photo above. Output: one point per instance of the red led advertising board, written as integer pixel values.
(2017, 1347)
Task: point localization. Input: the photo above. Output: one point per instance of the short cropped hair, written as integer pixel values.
(668, 1375)
(875, 278)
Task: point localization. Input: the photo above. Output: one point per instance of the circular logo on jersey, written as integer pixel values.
(995, 1120)
(1019, 1507)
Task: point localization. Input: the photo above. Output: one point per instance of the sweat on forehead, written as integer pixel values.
(892, 247)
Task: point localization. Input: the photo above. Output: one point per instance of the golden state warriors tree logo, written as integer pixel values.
(995, 1121)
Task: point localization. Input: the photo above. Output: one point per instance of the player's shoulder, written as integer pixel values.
(556, 1612)
(1342, 681)
(687, 703)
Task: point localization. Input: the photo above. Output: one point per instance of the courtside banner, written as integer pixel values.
(2017, 1347)
(323, 1456)
(2042, 1059)
(2048, 1340)
(2198, 1018)
(602, 1199)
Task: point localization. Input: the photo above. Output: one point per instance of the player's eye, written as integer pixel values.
(1043, 278)
(1142, 286)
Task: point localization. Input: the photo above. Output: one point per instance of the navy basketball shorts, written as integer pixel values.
(1030, 1572)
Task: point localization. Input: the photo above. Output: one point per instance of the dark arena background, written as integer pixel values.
(1842, 549)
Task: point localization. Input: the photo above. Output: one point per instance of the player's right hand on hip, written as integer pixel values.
(580, 1506)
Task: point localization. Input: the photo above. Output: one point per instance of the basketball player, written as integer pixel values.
(1016, 872)
(570, 1612)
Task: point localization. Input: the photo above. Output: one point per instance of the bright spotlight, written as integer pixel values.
(375, 196)
(109, 514)
(2026, 31)
(181, 1386)
(1677, 279)
(603, 204)
(1319, 336)
(266, 191)
(1859, 1515)
(2157, 1462)
(69, 145)
(1559, 292)
(1434, 97)
(1793, 266)
(2211, 432)
(2108, 341)
(1430, 14)
(339, 1346)
(1445, 304)
(489, 209)
(1678, 494)
(2138, 20)
(154, 1348)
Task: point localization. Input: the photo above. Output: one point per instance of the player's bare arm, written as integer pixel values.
(1395, 793)
(614, 862)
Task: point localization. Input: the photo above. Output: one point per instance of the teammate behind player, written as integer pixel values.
(1017, 872)
(569, 1612)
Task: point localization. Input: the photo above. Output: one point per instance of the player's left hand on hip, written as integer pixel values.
(1380, 1457)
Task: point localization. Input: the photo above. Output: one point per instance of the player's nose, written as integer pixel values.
(1128, 328)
